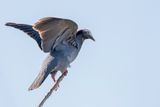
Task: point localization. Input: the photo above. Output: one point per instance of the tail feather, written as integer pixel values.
(39, 80)
(27, 29)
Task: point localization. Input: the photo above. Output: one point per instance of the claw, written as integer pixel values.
(57, 87)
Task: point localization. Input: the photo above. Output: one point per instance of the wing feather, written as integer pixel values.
(27, 29)
(51, 28)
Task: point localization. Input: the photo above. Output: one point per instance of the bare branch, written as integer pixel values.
(52, 89)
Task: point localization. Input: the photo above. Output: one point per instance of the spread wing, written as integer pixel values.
(54, 30)
(27, 29)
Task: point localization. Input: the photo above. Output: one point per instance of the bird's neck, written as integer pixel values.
(79, 40)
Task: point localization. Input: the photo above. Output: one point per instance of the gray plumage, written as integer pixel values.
(58, 37)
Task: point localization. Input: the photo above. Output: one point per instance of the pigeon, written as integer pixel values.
(58, 37)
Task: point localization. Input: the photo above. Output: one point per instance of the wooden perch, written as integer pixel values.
(55, 86)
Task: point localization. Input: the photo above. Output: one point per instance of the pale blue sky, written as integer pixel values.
(120, 69)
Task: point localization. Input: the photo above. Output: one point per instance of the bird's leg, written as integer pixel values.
(53, 74)
(65, 74)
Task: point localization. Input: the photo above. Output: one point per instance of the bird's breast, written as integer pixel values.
(67, 51)
(72, 55)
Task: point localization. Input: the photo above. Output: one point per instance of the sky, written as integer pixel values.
(120, 69)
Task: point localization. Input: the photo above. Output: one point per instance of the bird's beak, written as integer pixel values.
(91, 37)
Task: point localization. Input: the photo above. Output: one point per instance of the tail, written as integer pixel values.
(39, 80)
(27, 29)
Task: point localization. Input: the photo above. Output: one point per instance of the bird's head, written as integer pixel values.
(85, 34)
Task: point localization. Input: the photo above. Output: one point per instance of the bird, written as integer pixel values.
(60, 38)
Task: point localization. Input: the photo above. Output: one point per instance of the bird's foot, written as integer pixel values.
(57, 87)
(54, 79)
(65, 72)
